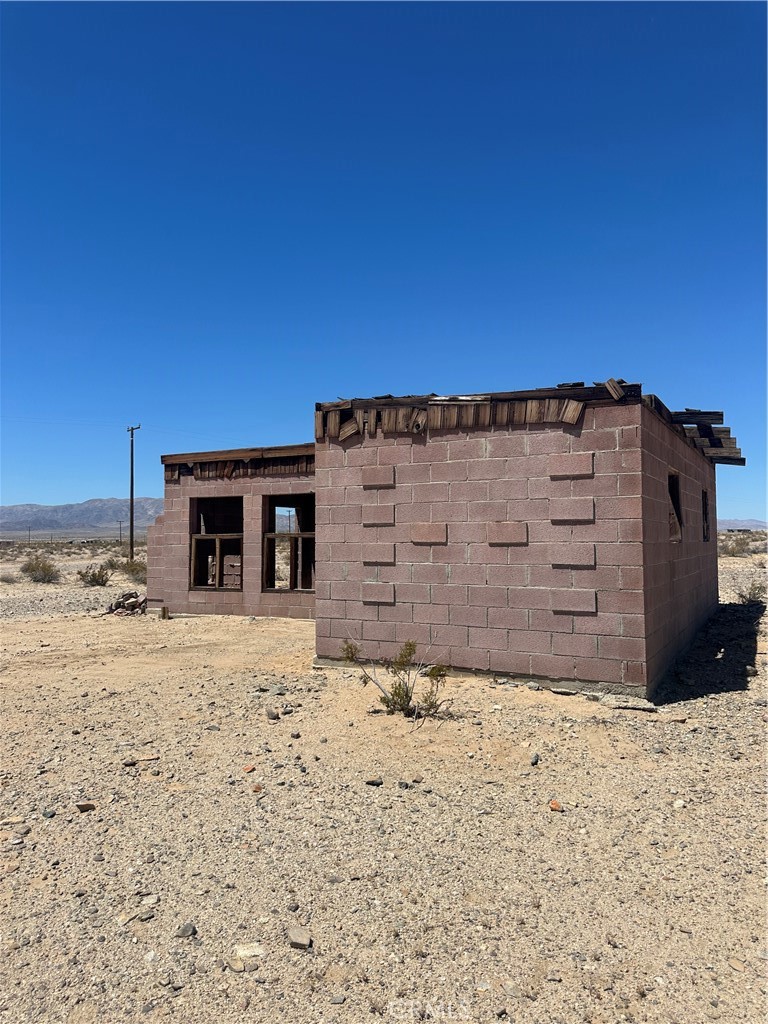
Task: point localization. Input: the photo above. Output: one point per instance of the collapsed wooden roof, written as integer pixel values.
(565, 403)
(234, 463)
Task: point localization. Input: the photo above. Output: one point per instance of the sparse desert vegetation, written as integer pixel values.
(184, 799)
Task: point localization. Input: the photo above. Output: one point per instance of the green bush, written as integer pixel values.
(40, 569)
(96, 575)
(404, 671)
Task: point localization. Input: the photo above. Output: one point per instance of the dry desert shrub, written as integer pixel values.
(8, 577)
(41, 569)
(96, 575)
(399, 697)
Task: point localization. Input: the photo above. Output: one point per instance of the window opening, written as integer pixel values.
(289, 542)
(705, 515)
(675, 510)
(216, 543)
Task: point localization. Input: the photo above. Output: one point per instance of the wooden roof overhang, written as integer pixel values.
(236, 463)
(565, 403)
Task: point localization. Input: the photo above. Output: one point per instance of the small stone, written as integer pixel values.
(404, 785)
(553, 976)
(555, 805)
(535, 758)
(338, 1000)
(247, 950)
(293, 907)
(323, 739)
(295, 735)
(278, 690)
(533, 686)
(736, 965)
(750, 671)
(299, 938)
(129, 763)
(146, 915)
(84, 806)
(249, 768)
(49, 813)
(272, 715)
(417, 778)
(657, 748)
(212, 728)
(375, 781)
(235, 964)
(679, 805)
(186, 931)
(500, 1012)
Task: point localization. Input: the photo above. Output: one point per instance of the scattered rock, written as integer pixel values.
(535, 758)
(555, 805)
(375, 781)
(272, 715)
(186, 931)
(84, 806)
(295, 735)
(338, 1000)
(248, 950)
(299, 938)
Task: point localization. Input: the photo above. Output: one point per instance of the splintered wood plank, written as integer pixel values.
(467, 414)
(319, 425)
(360, 420)
(572, 411)
(705, 416)
(418, 421)
(553, 408)
(615, 390)
(534, 411)
(333, 423)
(435, 417)
(518, 412)
(501, 413)
(372, 416)
(229, 469)
(450, 416)
(348, 429)
(484, 414)
(388, 420)
(403, 418)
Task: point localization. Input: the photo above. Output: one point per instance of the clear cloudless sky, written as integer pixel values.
(215, 215)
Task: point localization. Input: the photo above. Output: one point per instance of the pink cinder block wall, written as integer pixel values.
(511, 549)
(168, 551)
(680, 576)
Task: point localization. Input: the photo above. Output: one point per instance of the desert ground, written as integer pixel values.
(182, 800)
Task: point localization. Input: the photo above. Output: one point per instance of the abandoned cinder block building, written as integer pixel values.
(565, 534)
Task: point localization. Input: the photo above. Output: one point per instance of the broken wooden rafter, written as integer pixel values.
(697, 416)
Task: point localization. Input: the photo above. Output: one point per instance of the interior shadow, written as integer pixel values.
(721, 659)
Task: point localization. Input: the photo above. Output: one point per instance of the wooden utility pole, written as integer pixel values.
(130, 527)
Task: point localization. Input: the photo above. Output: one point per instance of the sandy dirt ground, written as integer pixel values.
(225, 800)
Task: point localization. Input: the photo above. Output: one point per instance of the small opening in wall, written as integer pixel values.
(705, 515)
(675, 509)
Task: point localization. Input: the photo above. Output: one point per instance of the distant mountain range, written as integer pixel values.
(99, 516)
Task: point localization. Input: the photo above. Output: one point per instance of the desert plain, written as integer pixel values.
(196, 825)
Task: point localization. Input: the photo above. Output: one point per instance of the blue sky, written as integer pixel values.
(215, 215)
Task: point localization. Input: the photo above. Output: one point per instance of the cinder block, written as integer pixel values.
(623, 648)
(552, 666)
(378, 515)
(577, 464)
(574, 644)
(429, 533)
(508, 618)
(580, 602)
(507, 533)
(378, 476)
(378, 593)
(378, 554)
(574, 555)
(488, 639)
(488, 596)
(572, 510)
